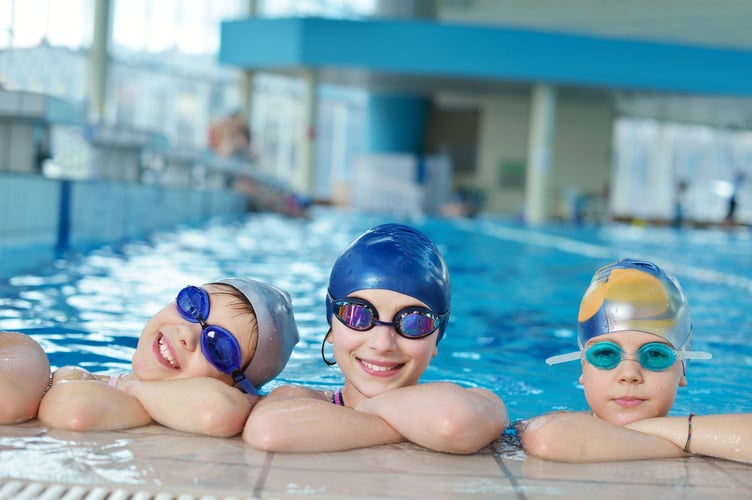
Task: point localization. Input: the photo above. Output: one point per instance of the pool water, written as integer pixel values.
(515, 297)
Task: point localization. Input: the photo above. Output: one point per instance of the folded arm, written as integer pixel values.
(441, 416)
(722, 436)
(580, 437)
(90, 404)
(200, 405)
(81, 401)
(298, 419)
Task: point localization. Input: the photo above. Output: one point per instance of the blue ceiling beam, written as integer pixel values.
(423, 48)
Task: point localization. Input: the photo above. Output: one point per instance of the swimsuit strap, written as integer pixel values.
(337, 398)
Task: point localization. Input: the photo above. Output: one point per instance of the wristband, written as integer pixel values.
(689, 433)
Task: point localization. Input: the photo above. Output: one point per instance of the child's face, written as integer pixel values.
(170, 346)
(630, 392)
(379, 359)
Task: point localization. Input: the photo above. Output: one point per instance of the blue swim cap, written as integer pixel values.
(393, 257)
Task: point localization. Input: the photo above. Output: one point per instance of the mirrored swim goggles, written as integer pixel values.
(653, 356)
(218, 345)
(412, 322)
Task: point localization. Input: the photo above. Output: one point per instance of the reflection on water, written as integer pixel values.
(47, 458)
(515, 297)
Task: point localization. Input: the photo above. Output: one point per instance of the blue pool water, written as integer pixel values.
(515, 298)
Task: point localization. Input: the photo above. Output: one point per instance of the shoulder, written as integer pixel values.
(297, 391)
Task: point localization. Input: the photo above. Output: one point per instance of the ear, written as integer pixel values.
(683, 381)
(435, 350)
(579, 380)
(329, 336)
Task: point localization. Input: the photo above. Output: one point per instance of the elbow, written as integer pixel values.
(266, 434)
(543, 441)
(72, 417)
(15, 412)
(463, 433)
(222, 420)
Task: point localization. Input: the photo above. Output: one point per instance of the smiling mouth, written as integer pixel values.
(164, 351)
(380, 368)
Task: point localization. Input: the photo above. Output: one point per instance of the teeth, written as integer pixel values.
(166, 354)
(378, 368)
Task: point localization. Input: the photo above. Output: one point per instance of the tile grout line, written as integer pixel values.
(714, 464)
(266, 468)
(508, 474)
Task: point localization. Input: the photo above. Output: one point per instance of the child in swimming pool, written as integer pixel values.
(634, 335)
(388, 306)
(191, 358)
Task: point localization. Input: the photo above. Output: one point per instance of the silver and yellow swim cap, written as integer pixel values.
(634, 295)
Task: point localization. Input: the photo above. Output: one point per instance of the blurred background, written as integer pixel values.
(582, 112)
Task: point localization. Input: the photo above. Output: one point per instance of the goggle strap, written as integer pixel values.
(693, 355)
(563, 358)
(571, 356)
(245, 385)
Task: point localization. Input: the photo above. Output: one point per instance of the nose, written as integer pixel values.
(188, 336)
(382, 338)
(630, 371)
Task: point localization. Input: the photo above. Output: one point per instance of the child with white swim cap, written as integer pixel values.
(634, 334)
(197, 366)
(388, 305)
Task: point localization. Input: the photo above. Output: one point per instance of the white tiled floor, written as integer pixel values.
(155, 462)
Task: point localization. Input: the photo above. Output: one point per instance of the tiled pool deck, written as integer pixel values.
(158, 463)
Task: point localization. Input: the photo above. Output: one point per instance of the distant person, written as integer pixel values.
(387, 305)
(635, 337)
(730, 219)
(230, 137)
(197, 366)
(679, 203)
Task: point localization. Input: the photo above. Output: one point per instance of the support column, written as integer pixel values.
(539, 153)
(98, 62)
(396, 123)
(246, 83)
(307, 133)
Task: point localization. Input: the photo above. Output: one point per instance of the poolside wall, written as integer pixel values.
(40, 216)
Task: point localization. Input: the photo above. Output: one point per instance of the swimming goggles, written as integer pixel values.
(412, 322)
(653, 356)
(218, 345)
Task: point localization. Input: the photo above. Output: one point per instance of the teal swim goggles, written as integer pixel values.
(653, 356)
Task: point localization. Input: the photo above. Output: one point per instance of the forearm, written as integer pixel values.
(308, 423)
(722, 436)
(90, 405)
(442, 416)
(580, 438)
(198, 405)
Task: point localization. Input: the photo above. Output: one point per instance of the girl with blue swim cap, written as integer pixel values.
(634, 335)
(197, 367)
(388, 306)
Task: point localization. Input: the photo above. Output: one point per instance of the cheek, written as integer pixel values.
(344, 339)
(199, 366)
(423, 350)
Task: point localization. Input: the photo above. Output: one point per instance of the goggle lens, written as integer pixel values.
(654, 356)
(411, 322)
(218, 345)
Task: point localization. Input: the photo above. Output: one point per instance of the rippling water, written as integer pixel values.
(515, 298)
